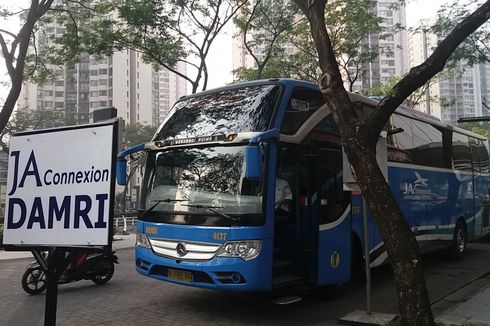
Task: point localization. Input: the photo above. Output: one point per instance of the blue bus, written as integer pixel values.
(243, 189)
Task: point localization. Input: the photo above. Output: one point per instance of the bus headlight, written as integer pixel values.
(142, 240)
(246, 249)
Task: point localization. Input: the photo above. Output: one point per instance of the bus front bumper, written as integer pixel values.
(220, 273)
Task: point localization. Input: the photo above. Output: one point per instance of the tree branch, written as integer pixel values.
(247, 25)
(331, 84)
(8, 58)
(75, 23)
(8, 33)
(419, 75)
(190, 13)
(35, 54)
(81, 4)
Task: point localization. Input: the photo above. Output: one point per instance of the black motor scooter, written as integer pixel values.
(95, 266)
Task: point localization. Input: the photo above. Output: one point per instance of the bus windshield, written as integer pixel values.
(223, 112)
(200, 186)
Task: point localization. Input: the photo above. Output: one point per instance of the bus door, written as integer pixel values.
(296, 229)
(332, 215)
(307, 217)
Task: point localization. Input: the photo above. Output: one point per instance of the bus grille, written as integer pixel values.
(193, 250)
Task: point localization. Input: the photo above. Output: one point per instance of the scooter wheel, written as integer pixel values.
(104, 273)
(34, 280)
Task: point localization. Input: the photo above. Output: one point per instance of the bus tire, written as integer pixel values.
(458, 246)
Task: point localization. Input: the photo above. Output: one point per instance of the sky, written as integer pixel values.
(220, 64)
(421, 9)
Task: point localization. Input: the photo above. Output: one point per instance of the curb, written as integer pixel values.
(455, 299)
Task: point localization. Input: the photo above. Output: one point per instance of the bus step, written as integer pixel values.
(287, 300)
(285, 279)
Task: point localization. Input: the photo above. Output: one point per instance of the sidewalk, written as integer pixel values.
(120, 242)
(469, 305)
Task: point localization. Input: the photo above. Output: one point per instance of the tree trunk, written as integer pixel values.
(359, 139)
(399, 241)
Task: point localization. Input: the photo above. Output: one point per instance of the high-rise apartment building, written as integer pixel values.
(240, 55)
(420, 45)
(140, 93)
(392, 59)
(391, 44)
(167, 89)
(122, 81)
(464, 92)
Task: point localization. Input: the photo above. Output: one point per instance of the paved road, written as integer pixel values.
(131, 299)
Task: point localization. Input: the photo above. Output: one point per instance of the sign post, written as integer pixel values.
(358, 317)
(51, 287)
(367, 258)
(60, 196)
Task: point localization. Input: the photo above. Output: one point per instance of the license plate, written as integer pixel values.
(178, 275)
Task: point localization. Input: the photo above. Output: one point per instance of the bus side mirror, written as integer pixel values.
(253, 162)
(253, 153)
(121, 171)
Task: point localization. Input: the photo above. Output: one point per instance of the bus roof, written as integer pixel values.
(403, 110)
(283, 81)
(417, 115)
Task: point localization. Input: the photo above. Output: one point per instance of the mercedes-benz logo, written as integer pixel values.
(181, 251)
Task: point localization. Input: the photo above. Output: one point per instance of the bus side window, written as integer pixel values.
(328, 171)
(479, 155)
(302, 104)
(288, 181)
(482, 157)
(333, 199)
(461, 153)
(428, 149)
(399, 139)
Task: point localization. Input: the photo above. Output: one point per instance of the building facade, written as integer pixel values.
(140, 93)
(461, 93)
(168, 87)
(420, 45)
(121, 80)
(392, 44)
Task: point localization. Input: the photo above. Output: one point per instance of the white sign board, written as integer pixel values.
(59, 187)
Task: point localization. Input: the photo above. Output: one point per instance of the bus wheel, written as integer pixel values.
(458, 247)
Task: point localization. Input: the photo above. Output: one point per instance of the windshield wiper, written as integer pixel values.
(158, 201)
(215, 210)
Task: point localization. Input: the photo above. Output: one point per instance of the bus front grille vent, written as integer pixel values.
(192, 250)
